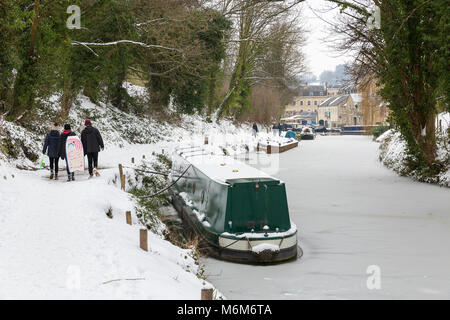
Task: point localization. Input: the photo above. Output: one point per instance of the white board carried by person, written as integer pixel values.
(74, 154)
(71, 150)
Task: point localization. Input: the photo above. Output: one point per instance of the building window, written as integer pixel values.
(309, 103)
(315, 103)
(301, 103)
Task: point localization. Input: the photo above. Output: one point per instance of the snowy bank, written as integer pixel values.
(393, 151)
(58, 243)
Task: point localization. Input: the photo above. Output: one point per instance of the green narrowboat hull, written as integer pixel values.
(307, 136)
(242, 219)
(214, 249)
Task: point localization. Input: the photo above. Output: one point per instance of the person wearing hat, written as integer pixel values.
(62, 149)
(51, 149)
(92, 144)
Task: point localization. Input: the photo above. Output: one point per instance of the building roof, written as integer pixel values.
(302, 115)
(334, 101)
(312, 91)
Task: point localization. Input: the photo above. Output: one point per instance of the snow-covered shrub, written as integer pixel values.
(393, 154)
(143, 184)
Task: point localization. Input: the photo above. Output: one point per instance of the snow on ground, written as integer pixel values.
(352, 213)
(393, 149)
(56, 242)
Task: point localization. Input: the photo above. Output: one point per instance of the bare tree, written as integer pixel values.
(253, 20)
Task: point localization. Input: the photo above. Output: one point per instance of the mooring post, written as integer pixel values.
(143, 239)
(122, 177)
(207, 294)
(128, 217)
(132, 160)
(122, 182)
(143, 156)
(257, 147)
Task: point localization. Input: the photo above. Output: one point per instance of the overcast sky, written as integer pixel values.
(318, 54)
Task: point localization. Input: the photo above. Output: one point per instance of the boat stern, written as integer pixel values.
(256, 248)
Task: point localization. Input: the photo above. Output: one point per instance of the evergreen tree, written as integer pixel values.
(408, 55)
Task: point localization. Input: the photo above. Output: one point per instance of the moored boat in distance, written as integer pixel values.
(240, 212)
(307, 134)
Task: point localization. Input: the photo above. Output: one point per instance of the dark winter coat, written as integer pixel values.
(280, 127)
(52, 144)
(91, 139)
(62, 143)
(255, 127)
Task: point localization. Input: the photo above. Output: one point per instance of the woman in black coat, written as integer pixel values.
(62, 148)
(51, 146)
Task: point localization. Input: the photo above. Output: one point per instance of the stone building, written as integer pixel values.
(308, 100)
(303, 118)
(374, 109)
(339, 111)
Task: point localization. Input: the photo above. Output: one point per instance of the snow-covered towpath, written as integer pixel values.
(56, 242)
(352, 213)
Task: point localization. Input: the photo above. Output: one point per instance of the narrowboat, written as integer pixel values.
(240, 212)
(307, 134)
(277, 146)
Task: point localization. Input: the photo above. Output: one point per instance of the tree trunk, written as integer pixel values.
(23, 96)
(66, 103)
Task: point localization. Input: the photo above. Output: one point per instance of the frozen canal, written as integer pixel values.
(352, 213)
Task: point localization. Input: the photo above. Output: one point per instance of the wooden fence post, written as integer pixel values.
(122, 182)
(128, 217)
(122, 177)
(206, 140)
(207, 294)
(143, 156)
(143, 239)
(132, 160)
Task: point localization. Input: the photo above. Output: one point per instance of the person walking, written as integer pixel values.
(279, 129)
(92, 144)
(255, 129)
(62, 149)
(51, 149)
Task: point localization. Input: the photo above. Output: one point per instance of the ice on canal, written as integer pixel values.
(356, 220)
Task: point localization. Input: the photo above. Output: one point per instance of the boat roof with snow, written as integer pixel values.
(223, 169)
(234, 207)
